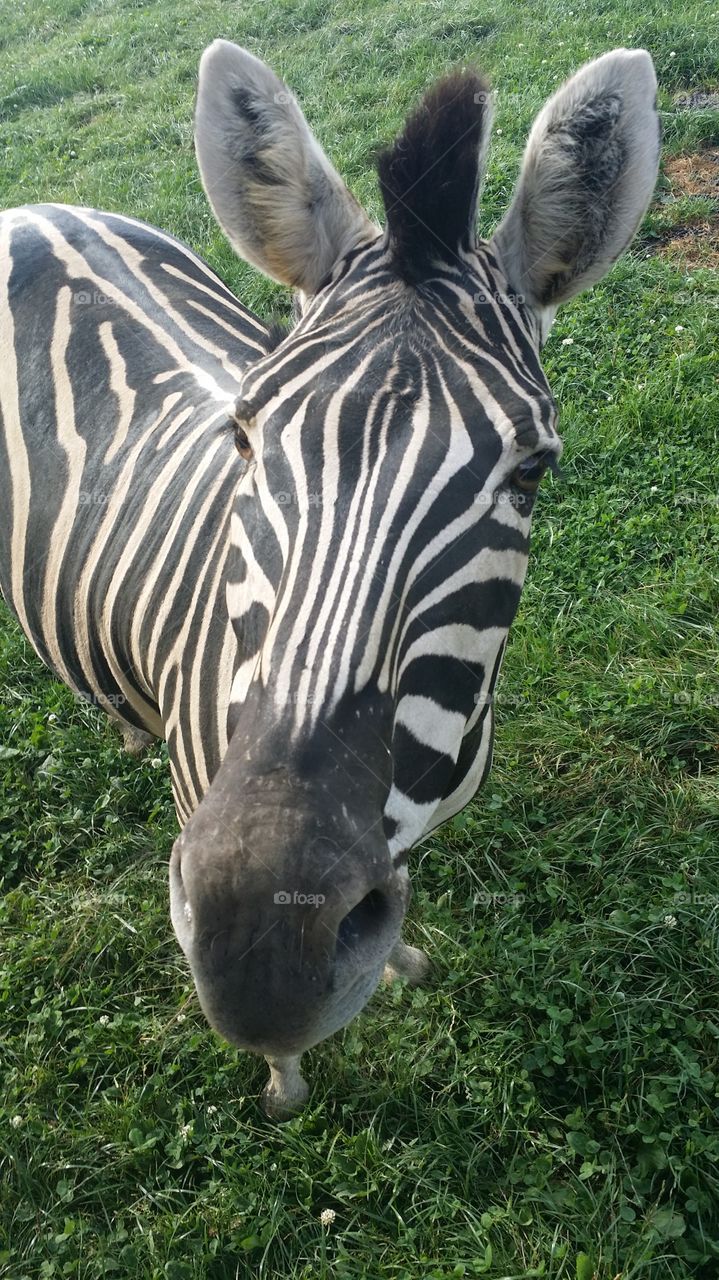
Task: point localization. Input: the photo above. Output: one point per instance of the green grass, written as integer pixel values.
(548, 1107)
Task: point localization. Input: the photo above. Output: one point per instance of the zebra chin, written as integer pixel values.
(287, 920)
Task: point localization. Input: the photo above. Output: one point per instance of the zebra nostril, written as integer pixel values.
(365, 922)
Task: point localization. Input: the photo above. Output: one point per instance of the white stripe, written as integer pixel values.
(119, 384)
(74, 447)
(466, 789)
(430, 724)
(17, 451)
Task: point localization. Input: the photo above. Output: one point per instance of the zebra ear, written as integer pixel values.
(588, 174)
(272, 189)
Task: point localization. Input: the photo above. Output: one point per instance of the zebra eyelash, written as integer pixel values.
(554, 467)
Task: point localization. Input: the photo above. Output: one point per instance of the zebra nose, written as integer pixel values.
(360, 932)
(280, 969)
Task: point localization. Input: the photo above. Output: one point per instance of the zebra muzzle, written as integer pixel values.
(287, 915)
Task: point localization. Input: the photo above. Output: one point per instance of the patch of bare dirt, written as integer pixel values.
(694, 175)
(693, 246)
(695, 243)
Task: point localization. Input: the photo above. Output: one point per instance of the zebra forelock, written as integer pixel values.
(430, 177)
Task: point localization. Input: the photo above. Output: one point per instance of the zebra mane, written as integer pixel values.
(430, 176)
(277, 331)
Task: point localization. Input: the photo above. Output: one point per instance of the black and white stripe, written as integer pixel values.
(387, 545)
(121, 355)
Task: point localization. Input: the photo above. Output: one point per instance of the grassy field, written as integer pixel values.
(548, 1107)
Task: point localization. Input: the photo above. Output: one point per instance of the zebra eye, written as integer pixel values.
(528, 475)
(242, 444)
(240, 419)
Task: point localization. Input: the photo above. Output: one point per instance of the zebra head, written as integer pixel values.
(391, 445)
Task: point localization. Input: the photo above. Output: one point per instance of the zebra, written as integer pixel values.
(295, 553)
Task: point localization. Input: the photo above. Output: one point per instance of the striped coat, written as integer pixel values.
(297, 555)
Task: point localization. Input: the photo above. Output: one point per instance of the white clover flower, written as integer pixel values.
(16, 1122)
(679, 328)
(670, 922)
(103, 1020)
(156, 763)
(181, 1017)
(672, 54)
(212, 1111)
(327, 1217)
(567, 342)
(186, 1130)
